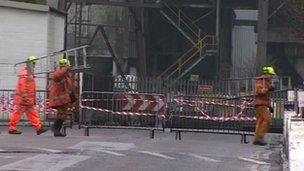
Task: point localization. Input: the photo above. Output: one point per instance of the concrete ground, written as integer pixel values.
(132, 150)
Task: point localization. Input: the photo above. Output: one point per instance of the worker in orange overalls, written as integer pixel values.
(25, 99)
(62, 95)
(262, 105)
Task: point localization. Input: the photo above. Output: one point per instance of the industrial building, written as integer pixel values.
(158, 68)
(155, 38)
(176, 39)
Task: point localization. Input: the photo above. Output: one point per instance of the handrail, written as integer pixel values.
(174, 71)
(201, 43)
(185, 20)
(186, 54)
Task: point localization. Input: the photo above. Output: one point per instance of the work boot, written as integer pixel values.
(57, 127)
(16, 132)
(261, 143)
(41, 131)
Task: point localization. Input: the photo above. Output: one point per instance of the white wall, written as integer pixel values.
(55, 36)
(55, 39)
(24, 33)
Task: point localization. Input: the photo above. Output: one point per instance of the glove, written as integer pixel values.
(271, 109)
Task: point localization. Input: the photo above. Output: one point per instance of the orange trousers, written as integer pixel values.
(32, 115)
(263, 122)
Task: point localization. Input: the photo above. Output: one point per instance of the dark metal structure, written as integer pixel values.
(202, 30)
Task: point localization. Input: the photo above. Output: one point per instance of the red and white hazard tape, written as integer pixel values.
(121, 113)
(243, 107)
(97, 100)
(194, 103)
(232, 118)
(124, 99)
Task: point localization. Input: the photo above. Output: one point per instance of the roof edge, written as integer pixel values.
(24, 6)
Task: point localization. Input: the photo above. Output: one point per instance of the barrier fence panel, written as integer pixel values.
(217, 106)
(7, 106)
(224, 115)
(211, 114)
(122, 110)
(279, 100)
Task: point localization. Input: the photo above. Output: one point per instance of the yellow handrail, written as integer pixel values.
(178, 69)
(182, 13)
(179, 15)
(176, 63)
(199, 46)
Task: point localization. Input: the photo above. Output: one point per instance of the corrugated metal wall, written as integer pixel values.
(243, 51)
(244, 45)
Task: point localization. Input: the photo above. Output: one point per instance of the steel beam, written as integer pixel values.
(261, 58)
(124, 4)
(116, 60)
(95, 25)
(217, 34)
(218, 19)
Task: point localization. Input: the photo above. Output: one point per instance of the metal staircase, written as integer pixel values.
(203, 44)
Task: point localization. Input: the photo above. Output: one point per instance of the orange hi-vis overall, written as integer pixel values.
(25, 101)
(61, 90)
(262, 105)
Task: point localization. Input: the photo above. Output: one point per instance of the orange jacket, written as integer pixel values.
(61, 88)
(262, 91)
(25, 93)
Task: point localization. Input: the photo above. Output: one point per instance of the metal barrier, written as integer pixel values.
(222, 115)
(231, 87)
(7, 106)
(211, 115)
(119, 110)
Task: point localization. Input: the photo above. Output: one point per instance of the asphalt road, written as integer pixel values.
(131, 150)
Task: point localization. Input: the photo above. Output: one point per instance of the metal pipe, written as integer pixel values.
(80, 25)
(218, 20)
(75, 26)
(65, 26)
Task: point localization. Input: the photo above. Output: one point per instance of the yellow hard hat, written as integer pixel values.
(269, 70)
(64, 62)
(32, 59)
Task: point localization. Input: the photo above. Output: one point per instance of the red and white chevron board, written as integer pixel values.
(138, 102)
